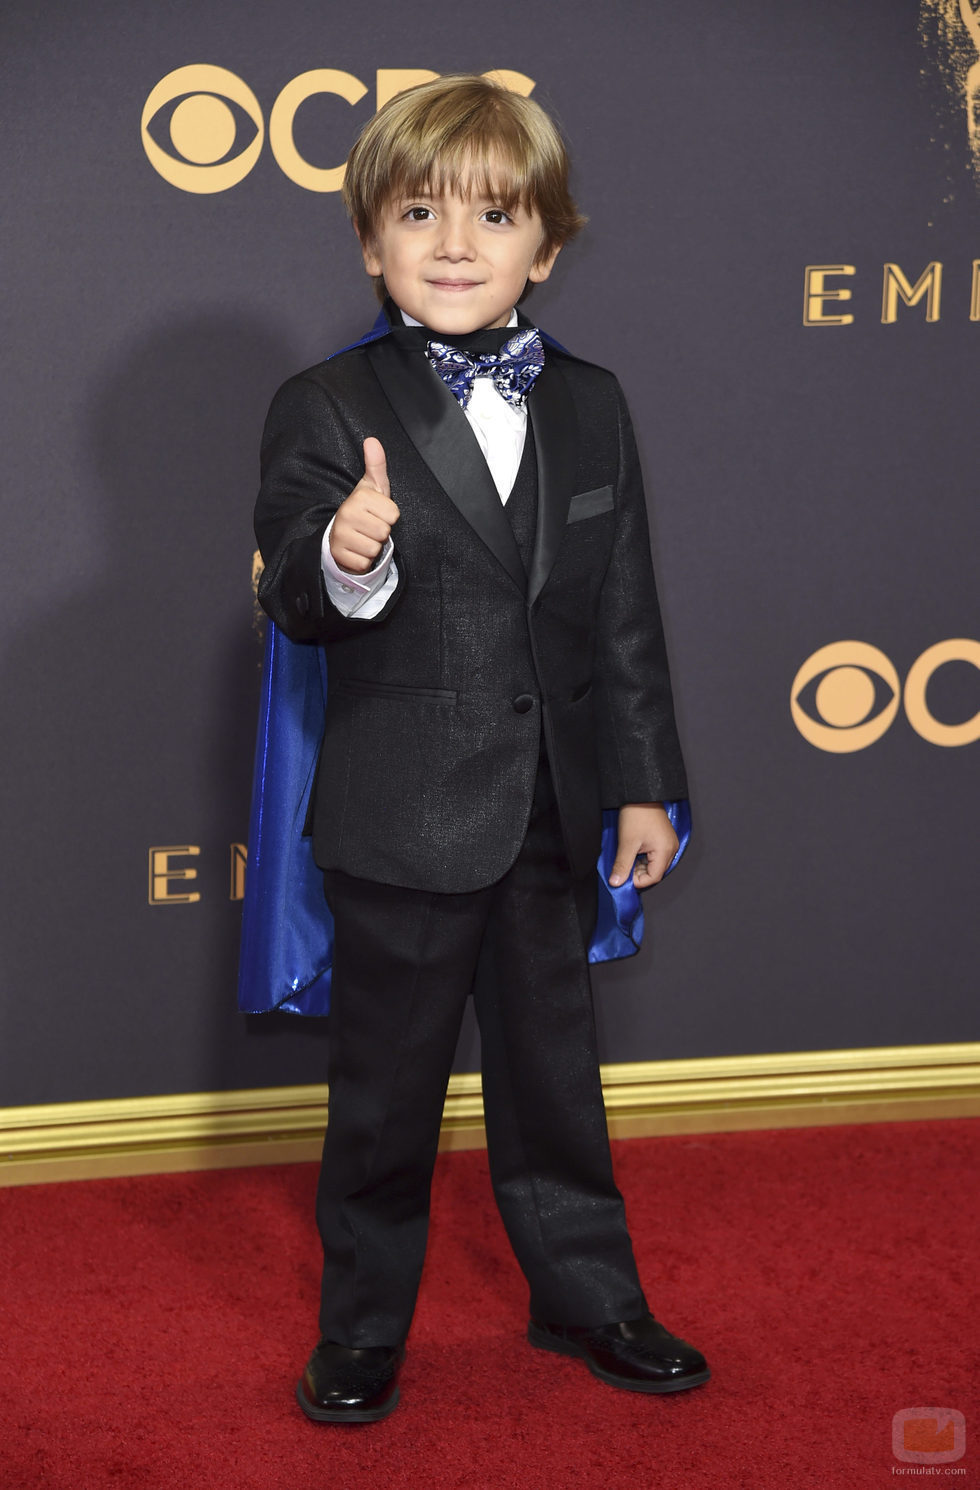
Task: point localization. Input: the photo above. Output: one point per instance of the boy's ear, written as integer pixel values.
(542, 267)
(369, 253)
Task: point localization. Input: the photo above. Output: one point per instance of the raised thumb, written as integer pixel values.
(375, 465)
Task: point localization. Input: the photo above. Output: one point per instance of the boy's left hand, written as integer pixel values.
(644, 830)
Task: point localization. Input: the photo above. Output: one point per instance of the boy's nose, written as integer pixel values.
(456, 241)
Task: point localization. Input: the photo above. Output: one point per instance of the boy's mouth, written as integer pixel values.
(454, 284)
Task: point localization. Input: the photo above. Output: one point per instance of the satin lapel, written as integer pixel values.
(553, 420)
(438, 428)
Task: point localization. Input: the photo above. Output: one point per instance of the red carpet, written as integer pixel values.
(153, 1329)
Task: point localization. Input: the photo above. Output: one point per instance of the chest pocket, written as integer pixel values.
(590, 504)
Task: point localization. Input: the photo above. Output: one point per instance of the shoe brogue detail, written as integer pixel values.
(342, 1384)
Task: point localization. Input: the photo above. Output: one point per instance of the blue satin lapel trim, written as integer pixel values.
(287, 929)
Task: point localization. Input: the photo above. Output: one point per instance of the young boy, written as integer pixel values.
(453, 510)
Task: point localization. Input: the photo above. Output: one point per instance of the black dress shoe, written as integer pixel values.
(639, 1354)
(341, 1385)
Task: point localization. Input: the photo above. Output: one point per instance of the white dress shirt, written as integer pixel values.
(500, 429)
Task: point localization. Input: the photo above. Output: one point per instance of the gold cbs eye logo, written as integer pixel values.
(203, 129)
(847, 694)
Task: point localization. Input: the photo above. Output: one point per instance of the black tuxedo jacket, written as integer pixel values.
(436, 707)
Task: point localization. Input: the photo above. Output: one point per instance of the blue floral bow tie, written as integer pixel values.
(513, 370)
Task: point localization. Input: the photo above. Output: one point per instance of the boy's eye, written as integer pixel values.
(419, 214)
(497, 215)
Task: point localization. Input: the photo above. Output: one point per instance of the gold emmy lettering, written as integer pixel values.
(896, 290)
(895, 286)
(815, 293)
(164, 875)
(318, 80)
(239, 859)
(922, 720)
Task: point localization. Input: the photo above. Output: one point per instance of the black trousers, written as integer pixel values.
(405, 962)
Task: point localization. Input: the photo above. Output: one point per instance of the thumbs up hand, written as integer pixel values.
(365, 519)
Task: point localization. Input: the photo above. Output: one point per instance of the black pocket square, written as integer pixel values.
(590, 503)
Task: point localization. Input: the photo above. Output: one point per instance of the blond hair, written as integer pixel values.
(463, 133)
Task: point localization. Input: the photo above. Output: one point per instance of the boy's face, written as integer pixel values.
(457, 264)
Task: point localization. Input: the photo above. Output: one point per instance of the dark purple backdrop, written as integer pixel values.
(808, 485)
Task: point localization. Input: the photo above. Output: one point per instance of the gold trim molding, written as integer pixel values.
(276, 1125)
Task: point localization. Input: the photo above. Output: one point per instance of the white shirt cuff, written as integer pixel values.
(363, 595)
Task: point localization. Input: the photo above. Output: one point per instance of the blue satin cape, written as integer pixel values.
(287, 928)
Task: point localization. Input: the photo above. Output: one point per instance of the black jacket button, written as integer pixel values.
(303, 604)
(522, 703)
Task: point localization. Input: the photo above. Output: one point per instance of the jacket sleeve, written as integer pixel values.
(639, 751)
(310, 462)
